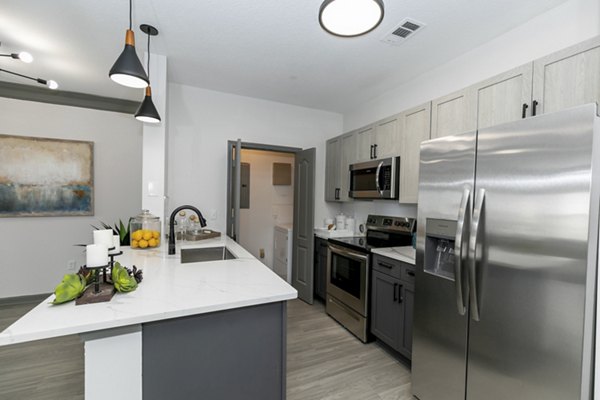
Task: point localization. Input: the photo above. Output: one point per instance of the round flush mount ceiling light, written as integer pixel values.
(350, 18)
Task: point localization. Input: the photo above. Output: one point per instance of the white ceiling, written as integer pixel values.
(270, 49)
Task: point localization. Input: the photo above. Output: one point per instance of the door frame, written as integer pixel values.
(230, 231)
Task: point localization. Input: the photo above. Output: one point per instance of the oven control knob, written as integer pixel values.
(397, 223)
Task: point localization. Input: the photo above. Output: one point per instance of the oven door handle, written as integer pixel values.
(346, 253)
(379, 189)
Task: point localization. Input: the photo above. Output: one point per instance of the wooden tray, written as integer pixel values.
(204, 234)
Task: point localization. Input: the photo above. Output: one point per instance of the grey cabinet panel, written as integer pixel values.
(364, 143)
(387, 312)
(320, 268)
(500, 99)
(453, 114)
(408, 298)
(392, 303)
(568, 78)
(332, 168)
(234, 354)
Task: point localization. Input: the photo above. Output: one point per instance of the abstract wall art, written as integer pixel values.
(46, 177)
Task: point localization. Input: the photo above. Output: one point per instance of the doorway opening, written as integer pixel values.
(264, 183)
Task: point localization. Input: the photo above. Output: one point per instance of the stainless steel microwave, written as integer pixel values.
(377, 179)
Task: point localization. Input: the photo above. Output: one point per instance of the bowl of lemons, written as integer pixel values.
(145, 239)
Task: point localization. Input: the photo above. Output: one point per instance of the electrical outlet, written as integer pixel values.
(261, 253)
(71, 265)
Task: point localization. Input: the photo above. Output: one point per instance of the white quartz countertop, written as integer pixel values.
(169, 290)
(405, 253)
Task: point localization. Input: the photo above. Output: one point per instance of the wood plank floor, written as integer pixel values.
(325, 362)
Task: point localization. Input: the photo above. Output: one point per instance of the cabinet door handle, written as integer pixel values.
(384, 264)
(400, 299)
(371, 153)
(525, 107)
(395, 295)
(534, 108)
(337, 193)
(374, 151)
(410, 273)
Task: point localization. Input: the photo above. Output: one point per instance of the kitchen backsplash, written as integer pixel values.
(361, 209)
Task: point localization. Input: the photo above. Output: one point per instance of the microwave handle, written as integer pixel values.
(379, 190)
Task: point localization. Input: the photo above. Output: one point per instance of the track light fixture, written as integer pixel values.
(350, 18)
(147, 112)
(50, 83)
(23, 56)
(128, 70)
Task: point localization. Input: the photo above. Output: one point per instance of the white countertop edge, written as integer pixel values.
(32, 328)
(397, 253)
(6, 338)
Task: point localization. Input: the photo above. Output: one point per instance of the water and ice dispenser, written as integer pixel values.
(439, 247)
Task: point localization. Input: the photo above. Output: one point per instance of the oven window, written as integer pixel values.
(345, 274)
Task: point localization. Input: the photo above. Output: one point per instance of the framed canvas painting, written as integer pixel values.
(46, 177)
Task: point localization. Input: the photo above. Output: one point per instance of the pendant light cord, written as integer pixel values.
(130, 12)
(148, 57)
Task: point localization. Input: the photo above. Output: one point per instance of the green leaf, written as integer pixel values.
(69, 289)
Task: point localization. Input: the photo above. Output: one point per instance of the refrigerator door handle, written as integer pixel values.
(458, 251)
(473, 239)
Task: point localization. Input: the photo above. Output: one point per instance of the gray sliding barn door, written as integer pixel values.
(303, 232)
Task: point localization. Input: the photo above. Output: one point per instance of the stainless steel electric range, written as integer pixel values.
(348, 270)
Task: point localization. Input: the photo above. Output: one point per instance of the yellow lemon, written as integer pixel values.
(143, 244)
(134, 244)
(155, 234)
(137, 235)
(152, 242)
(147, 235)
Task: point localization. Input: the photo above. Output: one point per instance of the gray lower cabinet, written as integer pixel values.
(320, 267)
(233, 354)
(392, 303)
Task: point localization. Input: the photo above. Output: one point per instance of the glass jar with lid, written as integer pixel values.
(145, 231)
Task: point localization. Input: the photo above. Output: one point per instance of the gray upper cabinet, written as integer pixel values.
(414, 127)
(387, 138)
(340, 153)
(505, 97)
(454, 114)
(378, 140)
(364, 143)
(332, 169)
(568, 78)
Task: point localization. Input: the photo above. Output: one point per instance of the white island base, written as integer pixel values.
(213, 330)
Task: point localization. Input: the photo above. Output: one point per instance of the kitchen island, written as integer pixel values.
(213, 329)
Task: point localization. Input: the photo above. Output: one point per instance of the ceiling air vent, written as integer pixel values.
(404, 30)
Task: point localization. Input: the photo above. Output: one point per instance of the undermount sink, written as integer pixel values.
(206, 254)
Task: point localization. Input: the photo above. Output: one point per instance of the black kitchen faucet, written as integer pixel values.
(172, 224)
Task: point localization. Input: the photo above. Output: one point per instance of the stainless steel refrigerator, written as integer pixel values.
(506, 261)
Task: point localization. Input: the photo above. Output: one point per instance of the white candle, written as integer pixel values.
(96, 255)
(104, 236)
(116, 245)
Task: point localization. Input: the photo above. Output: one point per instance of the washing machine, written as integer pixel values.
(282, 251)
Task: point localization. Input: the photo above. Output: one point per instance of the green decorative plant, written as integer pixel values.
(71, 287)
(122, 280)
(119, 229)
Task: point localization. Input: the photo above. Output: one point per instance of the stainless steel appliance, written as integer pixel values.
(377, 179)
(348, 270)
(506, 261)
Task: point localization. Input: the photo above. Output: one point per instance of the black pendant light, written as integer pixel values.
(128, 70)
(147, 112)
(350, 18)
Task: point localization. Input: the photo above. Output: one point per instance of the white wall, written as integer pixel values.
(35, 250)
(568, 24)
(202, 121)
(269, 204)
